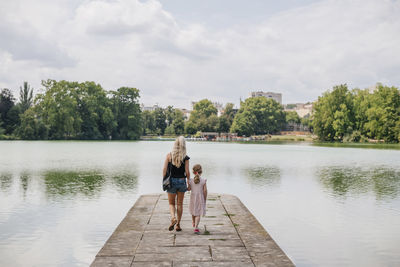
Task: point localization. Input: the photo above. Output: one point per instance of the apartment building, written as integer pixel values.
(275, 96)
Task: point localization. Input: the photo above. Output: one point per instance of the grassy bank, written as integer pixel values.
(357, 145)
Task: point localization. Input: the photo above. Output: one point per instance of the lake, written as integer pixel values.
(324, 206)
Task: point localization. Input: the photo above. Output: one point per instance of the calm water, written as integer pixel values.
(325, 206)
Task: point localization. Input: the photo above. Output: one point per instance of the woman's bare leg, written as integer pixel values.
(180, 205)
(171, 200)
(193, 222)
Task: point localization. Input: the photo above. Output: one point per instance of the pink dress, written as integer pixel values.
(197, 206)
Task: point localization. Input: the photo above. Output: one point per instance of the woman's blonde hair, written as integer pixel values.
(197, 170)
(178, 151)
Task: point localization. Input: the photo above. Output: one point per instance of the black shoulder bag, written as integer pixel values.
(167, 177)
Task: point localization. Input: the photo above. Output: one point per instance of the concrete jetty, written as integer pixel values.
(231, 236)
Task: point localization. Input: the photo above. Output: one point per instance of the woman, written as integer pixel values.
(179, 171)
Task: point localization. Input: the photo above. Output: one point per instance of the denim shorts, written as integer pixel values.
(177, 185)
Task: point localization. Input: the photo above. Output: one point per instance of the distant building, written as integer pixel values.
(219, 107)
(152, 108)
(275, 96)
(302, 109)
(372, 88)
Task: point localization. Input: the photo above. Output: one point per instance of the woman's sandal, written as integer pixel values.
(178, 228)
(171, 226)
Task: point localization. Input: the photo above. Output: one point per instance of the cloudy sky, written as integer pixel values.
(176, 51)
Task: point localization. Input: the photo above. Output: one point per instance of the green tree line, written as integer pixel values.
(257, 115)
(73, 110)
(358, 115)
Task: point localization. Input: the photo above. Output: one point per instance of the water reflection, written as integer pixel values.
(24, 180)
(87, 183)
(5, 181)
(384, 182)
(125, 181)
(70, 183)
(263, 175)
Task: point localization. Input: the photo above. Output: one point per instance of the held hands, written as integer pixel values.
(188, 186)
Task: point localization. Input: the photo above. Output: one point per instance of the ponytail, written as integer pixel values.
(197, 179)
(197, 170)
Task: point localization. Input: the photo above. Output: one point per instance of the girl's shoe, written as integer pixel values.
(197, 231)
(178, 228)
(171, 226)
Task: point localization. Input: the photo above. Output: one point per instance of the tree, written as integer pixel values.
(259, 115)
(127, 113)
(211, 124)
(333, 116)
(58, 108)
(69, 110)
(163, 121)
(169, 114)
(203, 117)
(7, 101)
(9, 112)
(244, 123)
(13, 119)
(160, 120)
(190, 127)
(361, 103)
(226, 119)
(170, 130)
(31, 127)
(203, 108)
(25, 97)
(1, 128)
(95, 109)
(148, 122)
(358, 115)
(178, 122)
(383, 114)
(292, 117)
(306, 121)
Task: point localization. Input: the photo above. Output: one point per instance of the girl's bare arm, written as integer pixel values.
(205, 191)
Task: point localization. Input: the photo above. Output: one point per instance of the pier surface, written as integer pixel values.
(233, 237)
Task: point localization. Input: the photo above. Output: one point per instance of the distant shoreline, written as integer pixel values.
(289, 139)
(262, 138)
(274, 140)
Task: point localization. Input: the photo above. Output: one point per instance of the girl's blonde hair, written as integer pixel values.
(178, 151)
(198, 170)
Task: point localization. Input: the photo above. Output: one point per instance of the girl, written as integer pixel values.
(198, 197)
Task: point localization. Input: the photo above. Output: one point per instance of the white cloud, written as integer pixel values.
(300, 52)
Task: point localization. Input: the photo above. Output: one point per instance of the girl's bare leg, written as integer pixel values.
(171, 200)
(193, 222)
(180, 195)
(197, 221)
